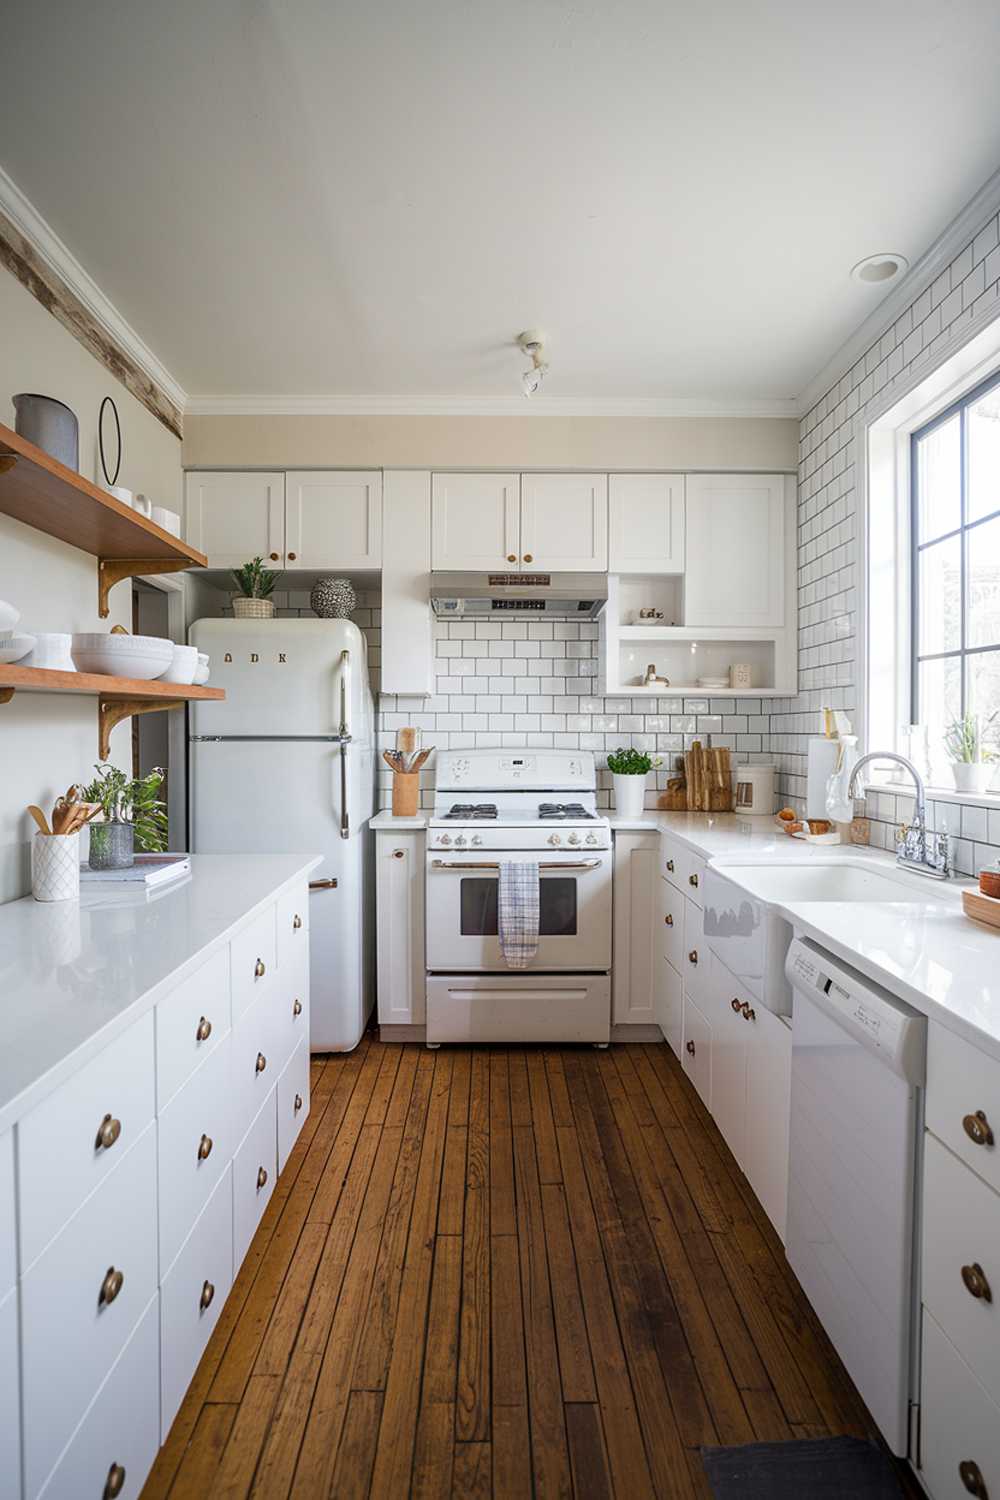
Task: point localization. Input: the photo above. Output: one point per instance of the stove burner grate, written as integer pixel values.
(549, 810)
(466, 812)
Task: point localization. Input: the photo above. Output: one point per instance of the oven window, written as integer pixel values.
(556, 913)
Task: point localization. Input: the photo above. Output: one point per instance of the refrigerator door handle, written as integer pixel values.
(345, 822)
(345, 694)
(328, 883)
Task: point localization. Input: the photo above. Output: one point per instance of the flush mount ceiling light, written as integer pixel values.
(532, 344)
(875, 270)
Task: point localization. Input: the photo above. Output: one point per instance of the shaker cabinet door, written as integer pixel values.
(646, 523)
(564, 523)
(333, 520)
(735, 547)
(474, 522)
(234, 517)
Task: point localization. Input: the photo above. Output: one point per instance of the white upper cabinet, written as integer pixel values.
(475, 521)
(564, 522)
(646, 523)
(233, 517)
(333, 520)
(736, 530)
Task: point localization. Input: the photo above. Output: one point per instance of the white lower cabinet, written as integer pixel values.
(959, 1424)
(697, 1054)
(399, 900)
(114, 1446)
(670, 1005)
(10, 1394)
(255, 1167)
(196, 1147)
(293, 1101)
(192, 1295)
(637, 925)
(769, 1084)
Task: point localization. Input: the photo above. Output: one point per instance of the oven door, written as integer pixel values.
(574, 927)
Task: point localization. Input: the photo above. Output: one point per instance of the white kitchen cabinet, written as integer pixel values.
(399, 901)
(192, 1296)
(407, 659)
(475, 522)
(637, 924)
(233, 517)
(333, 519)
(959, 1424)
(564, 522)
(736, 530)
(769, 1082)
(10, 1394)
(669, 1004)
(697, 1054)
(646, 523)
(729, 1058)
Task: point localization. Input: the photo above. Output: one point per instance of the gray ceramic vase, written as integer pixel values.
(50, 425)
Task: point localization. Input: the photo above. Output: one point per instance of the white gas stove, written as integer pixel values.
(495, 805)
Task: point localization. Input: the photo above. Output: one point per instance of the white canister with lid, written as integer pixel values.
(754, 790)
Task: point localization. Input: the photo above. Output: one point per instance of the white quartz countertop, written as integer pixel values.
(74, 975)
(384, 822)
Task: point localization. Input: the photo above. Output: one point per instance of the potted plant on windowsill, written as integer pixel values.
(970, 760)
(131, 817)
(629, 769)
(256, 585)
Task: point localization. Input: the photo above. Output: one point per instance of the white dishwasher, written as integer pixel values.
(858, 1070)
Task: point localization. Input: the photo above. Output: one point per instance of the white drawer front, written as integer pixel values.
(122, 1428)
(692, 872)
(293, 1101)
(697, 1054)
(959, 1424)
(962, 1258)
(293, 925)
(672, 924)
(696, 965)
(10, 1396)
(253, 956)
(70, 1337)
(196, 1146)
(192, 1296)
(59, 1159)
(190, 1023)
(254, 1170)
(254, 1065)
(669, 1003)
(963, 1096)
(8, 1243)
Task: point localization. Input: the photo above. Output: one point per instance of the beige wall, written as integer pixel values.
(48, 742)
(280, 442)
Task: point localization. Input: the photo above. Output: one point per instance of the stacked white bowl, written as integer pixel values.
(13, 646)
(139, 656)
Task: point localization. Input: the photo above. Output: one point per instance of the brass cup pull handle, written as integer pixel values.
(689, 1047)
(274, 557)
(737, 1007)
(297, 1008)
(207, 1293)
(976, 1283)
(261, 1063)
(292, 556)
(110, 1286)
(669, 920)
(512, 557)
(748, 1012)
(296, 922)
(107, 1133)
(971, 1476)
(258, 969)
(978, 1129)
(205, 1148)
(298, 1102)
(528, 557)
(115, 1482)
(693, 956)
(261, 1178)
(204, 1030)
(670, 866)
(693, 880)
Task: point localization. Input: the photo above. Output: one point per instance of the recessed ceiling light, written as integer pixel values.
(875, 269)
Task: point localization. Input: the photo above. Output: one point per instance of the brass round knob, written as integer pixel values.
(399, 853)
(274, 557)
(258, 969)
(291, 556)
(976, 1283)
(978, 1129)
(670, 866)
(749, 1014)
(692, 880)
(204, 1030)
(296, 922)
(971, 1476)
(110, 1286)
(296, 1007)
(528, 557)
(512, 557)
(205, 1148)
(669, 920)
(261, 1063)
(207, 1293)
(298, 1102)
(693, 956)
(261, 1178)
(115, 1482)
(107, 1133)
(737, 1007)
(689, 1046)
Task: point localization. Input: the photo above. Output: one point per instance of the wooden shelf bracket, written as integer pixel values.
(111, 711)
(6, 694)
(112, 570)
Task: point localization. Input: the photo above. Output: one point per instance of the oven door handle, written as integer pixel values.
(444, 864)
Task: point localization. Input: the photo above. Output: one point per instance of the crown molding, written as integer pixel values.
(50, 249)
(483, 406)
(954, 238)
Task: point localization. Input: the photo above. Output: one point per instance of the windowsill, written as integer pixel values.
(935, 793)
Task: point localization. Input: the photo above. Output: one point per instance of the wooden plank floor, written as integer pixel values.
(503, 1272)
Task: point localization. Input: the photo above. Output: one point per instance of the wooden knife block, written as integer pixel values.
(405, 794)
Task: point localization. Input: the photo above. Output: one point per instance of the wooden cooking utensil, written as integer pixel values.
(406, 739)
(421, 758)
(39, 817)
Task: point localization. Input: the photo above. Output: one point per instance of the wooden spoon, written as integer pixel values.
(39, 817)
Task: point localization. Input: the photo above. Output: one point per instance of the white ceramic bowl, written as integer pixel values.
(183, 666)
(15, 647)
(53, 651)
(9, 616)
(140, 656)
(201, 674)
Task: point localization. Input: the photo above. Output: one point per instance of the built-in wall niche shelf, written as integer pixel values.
(118, 698)
(663, 592)
(45, 494)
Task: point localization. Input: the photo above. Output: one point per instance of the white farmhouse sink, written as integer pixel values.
(837, 881)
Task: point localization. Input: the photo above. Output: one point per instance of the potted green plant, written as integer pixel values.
(256, 585)
(629, 769)
(131, 817)
(970, 761)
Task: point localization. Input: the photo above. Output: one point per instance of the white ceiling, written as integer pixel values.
(315, 197)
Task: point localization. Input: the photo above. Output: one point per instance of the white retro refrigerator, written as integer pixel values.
(287, 765)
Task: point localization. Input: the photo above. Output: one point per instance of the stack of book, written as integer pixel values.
(150, 872)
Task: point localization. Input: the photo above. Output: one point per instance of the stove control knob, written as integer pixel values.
(477, 840)
(445, 839)
(573, 838)
(591, 838)
(459, 840)
(554, 838)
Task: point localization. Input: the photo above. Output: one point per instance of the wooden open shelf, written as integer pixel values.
(118, 697)
(43, 493)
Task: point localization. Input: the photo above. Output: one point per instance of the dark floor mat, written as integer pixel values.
(840, 1468)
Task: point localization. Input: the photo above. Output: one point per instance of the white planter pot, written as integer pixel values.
(971, 776)
(55, 867)
(629, 794)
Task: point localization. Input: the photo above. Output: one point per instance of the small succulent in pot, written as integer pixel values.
(256, 585)
(132, 817)
(971, 760)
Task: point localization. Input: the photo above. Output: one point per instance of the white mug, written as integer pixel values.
(121, 493)
(168, 519)
(143, 505)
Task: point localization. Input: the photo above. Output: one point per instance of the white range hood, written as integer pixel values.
(564, 596)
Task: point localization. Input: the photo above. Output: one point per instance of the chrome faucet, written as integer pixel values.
(928, 854)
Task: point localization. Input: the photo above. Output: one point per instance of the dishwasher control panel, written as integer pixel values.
(889, 1027)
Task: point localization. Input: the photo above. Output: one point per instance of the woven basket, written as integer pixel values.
(253, 609)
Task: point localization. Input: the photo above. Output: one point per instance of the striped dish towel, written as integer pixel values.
(517, 909)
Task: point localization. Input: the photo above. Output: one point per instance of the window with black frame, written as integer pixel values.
(955, 589)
